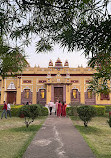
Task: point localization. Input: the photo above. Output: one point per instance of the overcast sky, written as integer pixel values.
(75, 59)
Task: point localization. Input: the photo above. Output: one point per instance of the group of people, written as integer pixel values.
(60, 108)
(6, 110)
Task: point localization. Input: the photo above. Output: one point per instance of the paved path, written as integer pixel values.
(58, 138)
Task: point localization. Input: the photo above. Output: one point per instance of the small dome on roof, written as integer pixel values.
(66, 64)
(58, 63)
(50, 63)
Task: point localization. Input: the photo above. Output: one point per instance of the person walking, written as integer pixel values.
(64, 109)
(59, 109)
(8, 110)
(56, 106)
(4, 110)
(50, 105)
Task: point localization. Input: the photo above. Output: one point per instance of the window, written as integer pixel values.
(26, 93)
(89, 94)
(104, 96)
(74, 92)
(42, 93)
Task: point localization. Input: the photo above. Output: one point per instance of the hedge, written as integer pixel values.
(108, 108)
(100, 110)
(15, 110)
(42, 111)
(71, 111)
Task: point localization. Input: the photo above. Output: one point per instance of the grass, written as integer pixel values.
(97, 135)
(15, 137)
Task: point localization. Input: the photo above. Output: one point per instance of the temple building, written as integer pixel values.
(57, 81)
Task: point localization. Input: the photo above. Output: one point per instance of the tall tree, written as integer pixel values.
(81, 24)
(12, 61)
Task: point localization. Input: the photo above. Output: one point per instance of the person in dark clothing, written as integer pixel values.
(4, 110)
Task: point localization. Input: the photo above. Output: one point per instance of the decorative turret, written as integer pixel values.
(66, 64)
(58, 63)
(50, 63)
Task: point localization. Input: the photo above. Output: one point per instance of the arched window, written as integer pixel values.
(89, 93)
(74, 93)
(26, 93)
(42, 93)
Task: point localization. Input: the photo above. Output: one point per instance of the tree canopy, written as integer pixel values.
(12, 61)
(80, 24)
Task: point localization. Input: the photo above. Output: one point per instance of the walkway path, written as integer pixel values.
(58, 138)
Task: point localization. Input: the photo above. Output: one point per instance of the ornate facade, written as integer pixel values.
(57, 81)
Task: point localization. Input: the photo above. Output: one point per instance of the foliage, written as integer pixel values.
(86, 113)
(82, 24)
(12, 61)
(108, 108)
(100, 110)
(44, 111)
(109, 121)
(71, 111)
(68, 111)
(30, 113)
(15, 110)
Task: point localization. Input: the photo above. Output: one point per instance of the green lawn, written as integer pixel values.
(97, 135)
(15, 137)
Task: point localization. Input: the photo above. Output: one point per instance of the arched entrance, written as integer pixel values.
(11, 97)
(58, 91)
(58, 94)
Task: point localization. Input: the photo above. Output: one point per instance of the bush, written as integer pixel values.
(108, 108)
(100, 110)
(109, 122)
(86, 113)
(71, 111)
(30, 112)
(68, 111)
(44, 111)
(15, 110)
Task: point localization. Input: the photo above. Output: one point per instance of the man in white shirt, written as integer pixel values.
(50, 105)
(8, 109)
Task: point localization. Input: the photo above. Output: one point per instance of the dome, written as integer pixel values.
(66, 64)
(58, 63)
(50, 63)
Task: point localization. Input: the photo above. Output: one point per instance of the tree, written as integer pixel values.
(86, 113)
(12, 61)
(81, 24)
(29, 113)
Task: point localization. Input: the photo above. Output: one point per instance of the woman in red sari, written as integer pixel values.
(59, 109)
(64, 109)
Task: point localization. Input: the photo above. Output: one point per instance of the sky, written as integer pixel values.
(75, 58)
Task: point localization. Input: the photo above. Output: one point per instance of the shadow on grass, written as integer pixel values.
(88, 130)
(31, 128)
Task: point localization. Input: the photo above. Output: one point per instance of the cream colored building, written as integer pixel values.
(57, 81)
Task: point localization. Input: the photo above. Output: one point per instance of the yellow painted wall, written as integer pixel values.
(68, 94)
(48, 94)
(82, 95)
(34, 95)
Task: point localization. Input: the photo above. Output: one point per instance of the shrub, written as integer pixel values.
(100, 110)
(109, 122)
(86, 113)
(71, 111)
(44, 111)
(15, 110)
(108, 108)
(30, 112)
(68, 111)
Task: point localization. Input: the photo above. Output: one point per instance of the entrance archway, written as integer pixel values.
(58, 94)
(11, 97)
